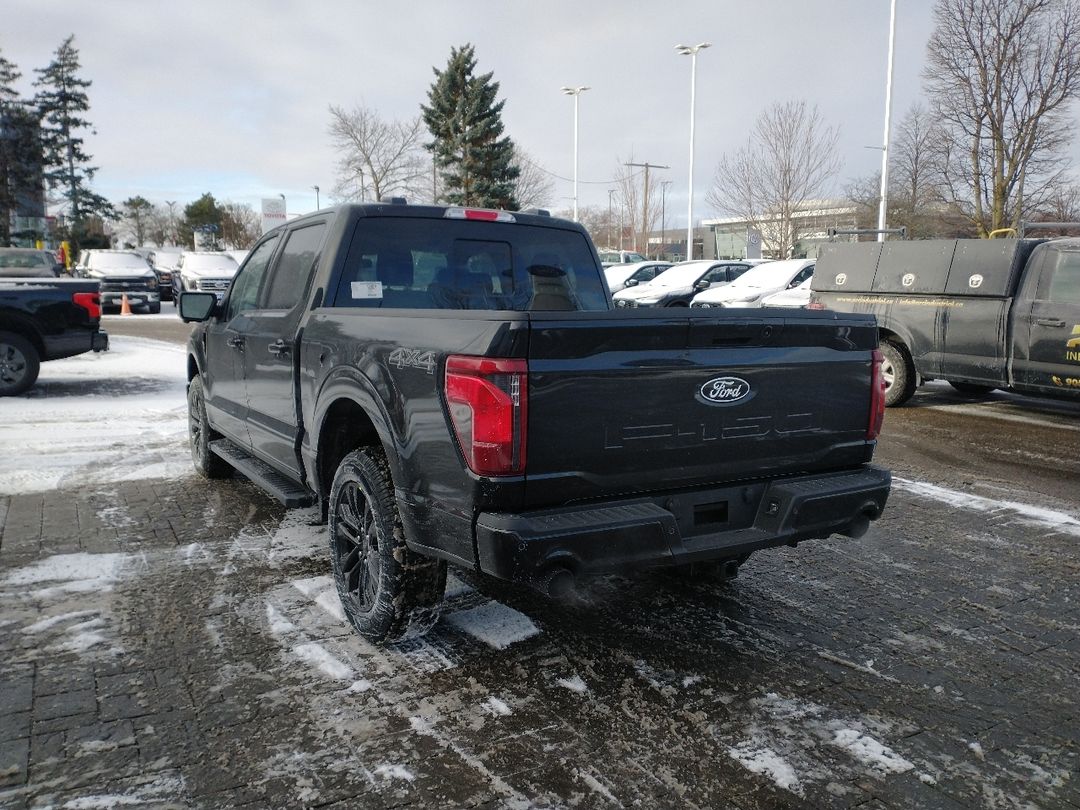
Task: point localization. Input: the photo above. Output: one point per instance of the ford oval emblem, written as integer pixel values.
(725, 391)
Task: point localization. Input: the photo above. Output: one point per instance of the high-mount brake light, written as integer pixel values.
(877, 396)
(488, 402)
(482, 214)
(90, 301)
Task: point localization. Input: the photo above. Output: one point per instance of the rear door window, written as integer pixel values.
(399, 263)
(294, 268)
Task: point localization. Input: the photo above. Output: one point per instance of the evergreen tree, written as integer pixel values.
(20, 148)
(137, 212)
(465, 120)
(203, 215)
(62, 100)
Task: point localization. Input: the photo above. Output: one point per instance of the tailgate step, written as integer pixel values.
(283, 488)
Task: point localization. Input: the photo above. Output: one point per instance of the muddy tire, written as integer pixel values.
(971, 389)
(388, 592)
(201, 434)
(19, 364)
(899, 373)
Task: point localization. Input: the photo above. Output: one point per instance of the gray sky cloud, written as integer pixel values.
(231, 97)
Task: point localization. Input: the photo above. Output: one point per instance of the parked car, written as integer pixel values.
(620, 276)
(752, 286)
(979, 313)
(29, 263)
(205, 271)
(45, 319)
(794, 297)
(681, 282)
(411, 369)
(121, 273)
(610, 257)
(164, 261)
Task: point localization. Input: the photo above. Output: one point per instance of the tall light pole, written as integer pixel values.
(317, 206)
(610, 194)
(576, 93)
(692, 52)
(663, 213)
(883, 203)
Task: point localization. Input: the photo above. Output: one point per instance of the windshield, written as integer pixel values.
(220, 261)
(773, 274)
(22, 260)
(681, 275)
(118, 261)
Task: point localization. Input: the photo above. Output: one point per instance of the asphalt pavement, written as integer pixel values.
(176, 643)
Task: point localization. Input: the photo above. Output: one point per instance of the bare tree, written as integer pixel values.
(533, 187)
(787, 161)
(378, 157)
(240, 225)
(639, 202)
(1001, 74)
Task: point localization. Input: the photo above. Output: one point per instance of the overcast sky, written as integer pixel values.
(231, 97)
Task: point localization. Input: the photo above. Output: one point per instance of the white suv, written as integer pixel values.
(204, 271)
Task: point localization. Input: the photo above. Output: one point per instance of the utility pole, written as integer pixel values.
(663, 213)
(645, 202)
(610, 193)
(883, 200)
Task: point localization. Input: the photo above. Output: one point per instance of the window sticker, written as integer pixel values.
(366, 289)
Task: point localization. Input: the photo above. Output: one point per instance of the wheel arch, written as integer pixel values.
(348, 419)
(24, 327)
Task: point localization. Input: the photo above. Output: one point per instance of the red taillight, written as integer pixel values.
(91, 302)
(487, 398)
(877, 396)
(815, 305)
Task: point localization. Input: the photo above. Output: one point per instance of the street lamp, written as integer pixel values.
(610, 194)
(317, 206)
(692, 52)
(883, 203)
(575, 92)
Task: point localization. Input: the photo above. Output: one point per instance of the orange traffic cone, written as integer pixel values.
(125, 307)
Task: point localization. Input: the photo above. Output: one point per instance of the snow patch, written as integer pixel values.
(52, 621)
(1031, 515)
(395, 772)
(494, 623)
(279, 625)
(359, 686)
(496, 707)
(151, 793)
(574, 684)
(870, 752)
(762, 760)
(318, 656)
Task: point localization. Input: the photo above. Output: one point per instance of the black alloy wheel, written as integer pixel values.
(19, 364)
(357, 541)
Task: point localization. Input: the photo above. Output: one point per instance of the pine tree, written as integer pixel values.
(19, 148)
(465, 121)
(61, 101)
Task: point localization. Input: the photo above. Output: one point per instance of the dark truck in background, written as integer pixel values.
(979, 313)
(454, 386)
(45, 319)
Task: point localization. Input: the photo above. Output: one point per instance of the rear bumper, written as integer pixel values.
(712, 524)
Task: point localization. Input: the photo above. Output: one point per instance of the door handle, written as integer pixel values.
(237, 343)
(279, 348)
(1056, 322)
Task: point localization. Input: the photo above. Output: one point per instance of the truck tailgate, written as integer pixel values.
(640, 402)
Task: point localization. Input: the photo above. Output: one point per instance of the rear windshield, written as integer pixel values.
(22, 260)
(455, 264)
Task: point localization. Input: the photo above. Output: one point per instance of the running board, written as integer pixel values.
(283, 488)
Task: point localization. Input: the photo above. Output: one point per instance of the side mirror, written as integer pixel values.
(196, 306)
(631, 282)
(702, 284)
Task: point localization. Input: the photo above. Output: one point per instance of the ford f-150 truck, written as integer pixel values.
(979, 313)
(45, 319)
(454, 385)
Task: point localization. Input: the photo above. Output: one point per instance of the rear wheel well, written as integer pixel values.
(20, 327)
(346, 427)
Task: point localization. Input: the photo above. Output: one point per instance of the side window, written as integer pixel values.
(245, 287)
(1063, 286)
(803, 275)
(736, 270)
(299, 258)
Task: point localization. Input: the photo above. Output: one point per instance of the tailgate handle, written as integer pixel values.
(1050, 322)
(278, 348)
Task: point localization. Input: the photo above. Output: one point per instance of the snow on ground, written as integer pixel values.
(98, 418)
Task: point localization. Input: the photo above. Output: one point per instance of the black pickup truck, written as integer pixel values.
(45, 319)
(979, 313)
(454, 385)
